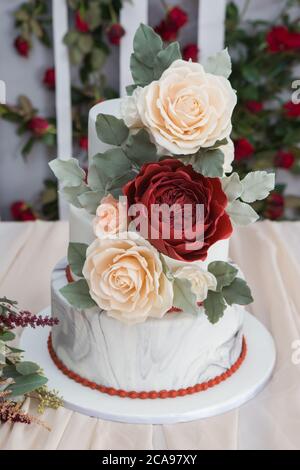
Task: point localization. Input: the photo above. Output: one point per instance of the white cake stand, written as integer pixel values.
(243, 385)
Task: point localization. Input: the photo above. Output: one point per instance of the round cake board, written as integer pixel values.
(243, 385)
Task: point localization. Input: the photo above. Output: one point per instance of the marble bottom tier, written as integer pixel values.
(175, 352)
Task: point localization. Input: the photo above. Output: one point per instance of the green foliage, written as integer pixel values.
(78, 295)
(76, 257)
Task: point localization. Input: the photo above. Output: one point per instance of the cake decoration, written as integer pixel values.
(149, 226)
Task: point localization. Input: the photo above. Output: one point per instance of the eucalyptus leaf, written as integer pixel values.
(214, 306)
(257, 185)
(165, 58)
(68, 172)
(25, 384)
(71, 194)
(90, 200)
(77, 294)
(76, 257)
(111, 130)
(141, 73)
(224, 272)
(241, 213)
(85, 43)
(140, 149)
(232, 186)
(10, 372)
(219, 64)
(146, 45)
(238, 292)
(209, 162)
(184, 298)
(27, 368)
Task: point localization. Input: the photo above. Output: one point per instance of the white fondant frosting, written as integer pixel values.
(179, 350)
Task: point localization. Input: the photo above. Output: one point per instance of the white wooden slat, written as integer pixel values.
(211, 27)
(132, 14)
(62, 89)
(2, 92)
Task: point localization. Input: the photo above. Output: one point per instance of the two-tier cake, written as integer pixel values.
(149, 305)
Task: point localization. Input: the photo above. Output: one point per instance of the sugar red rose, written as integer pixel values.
(190, 51)
(254, 106)
(22, 46)
(292, 110)
(49, 78)
(114, 33)
(243, 149)
(38, 125)
(284, 159)
(22, 212)
(80, 24)
(171, 182)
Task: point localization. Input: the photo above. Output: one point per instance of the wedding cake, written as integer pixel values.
(149, 305)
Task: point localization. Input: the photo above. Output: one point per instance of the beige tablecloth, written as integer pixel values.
(269, 255)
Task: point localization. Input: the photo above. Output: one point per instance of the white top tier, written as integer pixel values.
(81, 222)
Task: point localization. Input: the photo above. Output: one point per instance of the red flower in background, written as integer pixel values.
(168, 28)
(114, 33)
(38, 125)
(168, 32)
(275, 206)
(49, 78)
(177, 16)
(22, 46)
(280, 38)
(22, 211)
(170, 182)
(254, 106)
(292, 109)
(83, 142)
(80, 24)
(190, 51)
(284, 159)
(243, 149)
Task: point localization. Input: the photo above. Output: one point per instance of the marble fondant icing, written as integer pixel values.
(174, 352)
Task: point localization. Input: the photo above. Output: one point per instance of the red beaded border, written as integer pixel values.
(153, 394)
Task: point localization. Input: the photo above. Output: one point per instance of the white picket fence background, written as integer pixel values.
(210, 36)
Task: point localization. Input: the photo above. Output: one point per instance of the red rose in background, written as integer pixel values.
(292, 109)
(49, 78)
(83, 142)
(190, 51)
(171, 182)
(275, 206)
(177, 16)
(168, 32)
(284, 159)
(22, 46)
(243, 149)
(168, 28)
(114, 33)
(80, 24)
(38, 125)
(280, 38)
(22, 212)
(254, 106)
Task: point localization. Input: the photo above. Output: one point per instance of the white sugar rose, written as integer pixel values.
(129, 110)
(110, 217)
(186, 108)
(126, 279)
(201, 280)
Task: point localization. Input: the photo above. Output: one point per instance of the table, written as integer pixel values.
(268, 254)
